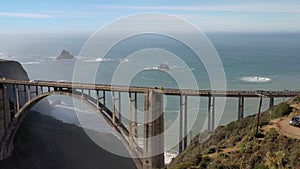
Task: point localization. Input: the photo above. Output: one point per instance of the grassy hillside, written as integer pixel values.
(238, 146)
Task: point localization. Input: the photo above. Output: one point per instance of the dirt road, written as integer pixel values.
(285, 128)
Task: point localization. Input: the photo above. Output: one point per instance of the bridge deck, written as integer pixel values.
(135, 89)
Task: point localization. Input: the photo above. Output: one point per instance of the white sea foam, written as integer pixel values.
(3, 54)
(62, 80)
(256, 79)
(150, 68)
(30, 63)
(104, 60)
(172, 67)
(99, 60)
(125, 60)
(169, 155)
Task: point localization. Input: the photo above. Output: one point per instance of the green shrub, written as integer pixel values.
(281, 110)
(183, 165)
(205, 162)
(211, 150)
(295, 100)
(271, 135)
(260, 166)
(197, 159)
(216, 165)
(222, 156)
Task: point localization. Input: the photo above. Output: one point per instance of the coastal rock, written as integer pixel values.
(164, 67)
(12, 70)
(65, 55)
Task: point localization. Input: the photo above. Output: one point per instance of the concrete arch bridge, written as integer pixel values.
(17, 97)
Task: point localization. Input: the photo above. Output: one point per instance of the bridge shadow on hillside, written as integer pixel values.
(46, 143)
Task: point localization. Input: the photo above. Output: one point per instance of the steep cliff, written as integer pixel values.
(12, 70)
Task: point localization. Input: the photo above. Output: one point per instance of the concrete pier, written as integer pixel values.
(241, 107)
(211, 112)
(271, 103)
(154, 128)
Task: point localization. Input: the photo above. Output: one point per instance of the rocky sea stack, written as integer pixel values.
(65, 55)
(164, 67)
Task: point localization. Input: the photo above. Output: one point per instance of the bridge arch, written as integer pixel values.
(119, 129)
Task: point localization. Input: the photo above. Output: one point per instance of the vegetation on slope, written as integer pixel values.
(237, 145)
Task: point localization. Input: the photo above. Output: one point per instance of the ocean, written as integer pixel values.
(251, 61)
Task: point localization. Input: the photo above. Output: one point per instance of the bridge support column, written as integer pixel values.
(211, 113)
(271, 103)
(16, 97)
(153, 130)
(183, 124)
(133, 116)
(241, 108)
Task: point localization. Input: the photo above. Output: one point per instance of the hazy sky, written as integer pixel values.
(89, 15)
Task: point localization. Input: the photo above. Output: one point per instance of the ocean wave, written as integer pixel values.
(105, 60)
(169, 155)
(172, 67)
(150, 68)
(146, 78)
(30, 63)
(256, 79)
(3, 54)
(62, 81)
(125, 60)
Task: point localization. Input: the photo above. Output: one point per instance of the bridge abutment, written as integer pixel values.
(5, 121)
